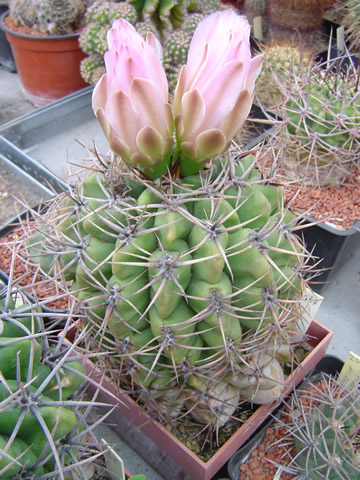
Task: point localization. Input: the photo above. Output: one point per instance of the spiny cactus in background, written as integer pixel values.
(43, 427)
(324, 423)
(92, 68)
(351, 21)
(188, 279)
(48, 16)
(175, 54)
(144, 28)
(281, 63)
(321, 136)
(164, 14)
(99, 19)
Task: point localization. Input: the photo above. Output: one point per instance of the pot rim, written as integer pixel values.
(34, 37)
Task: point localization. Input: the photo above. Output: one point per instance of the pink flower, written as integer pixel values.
(131, 99)
(215, 88)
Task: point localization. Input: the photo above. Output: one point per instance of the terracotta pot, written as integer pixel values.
(48, 66)
(162, 450)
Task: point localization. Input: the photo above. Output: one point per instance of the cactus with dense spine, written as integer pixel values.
(282, 64)
(99, 18)
(325, 430)
(55, 17)
(351, 21)
(41, 421)
(92, 68)
(321, 136)
(189, 279)
(175, 54)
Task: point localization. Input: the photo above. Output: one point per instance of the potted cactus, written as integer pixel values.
(182, 258)
(315, 435)
(44, 39)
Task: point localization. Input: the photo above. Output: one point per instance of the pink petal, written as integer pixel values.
(122, 118)
(100, 93)
(120, 148)
(220, 97)
(179, 89)
(155, 44)
(169, 119)
(210, 143)
(193, 108)
(235, 119)
(150, 142)
(140, 158)
(148, 104)
(254, 71)
(100, 115)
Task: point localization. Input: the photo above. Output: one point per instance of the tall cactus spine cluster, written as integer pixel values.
(193, 285)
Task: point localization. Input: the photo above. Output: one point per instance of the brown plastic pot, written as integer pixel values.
(160, 448)
(48, 66)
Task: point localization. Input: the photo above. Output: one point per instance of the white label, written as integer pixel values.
(350, 373)
(340, 38)
(114, 463)
(258, 30)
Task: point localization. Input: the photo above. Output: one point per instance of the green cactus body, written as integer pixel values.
(92, 68)
(322, 138)
(35, 383)
(175, 54)
(187, 276)
(99, 19)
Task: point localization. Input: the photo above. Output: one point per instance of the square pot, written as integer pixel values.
(162, 450)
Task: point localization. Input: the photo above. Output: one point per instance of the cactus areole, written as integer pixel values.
(184, 260)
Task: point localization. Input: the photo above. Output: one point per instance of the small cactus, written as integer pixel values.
(99, 19)
(92, 68)
(283, 63)
(323, 421)
(175, 54)
(55, 17)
